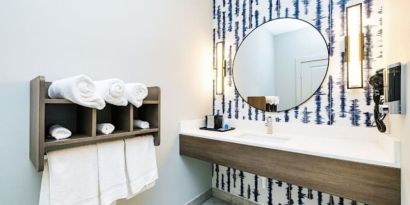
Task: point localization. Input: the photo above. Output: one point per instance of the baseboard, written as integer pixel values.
(198, 200)
(230, 198)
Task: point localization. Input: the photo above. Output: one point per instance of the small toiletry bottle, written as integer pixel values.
(210, 121)
(225, 123)
(269, 125)
(219, 122)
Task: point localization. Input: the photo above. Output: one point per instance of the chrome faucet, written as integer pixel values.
(269, 125)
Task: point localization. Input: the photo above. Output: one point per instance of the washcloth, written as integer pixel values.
(59, 132)
(141, 164)
(78, 89)
(105, 128)
(141, 124)
(71, 177)
(112, 91)
(135, 93)
(111, 166)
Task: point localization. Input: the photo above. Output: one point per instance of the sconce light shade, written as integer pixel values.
(354, 46)
(220, 67)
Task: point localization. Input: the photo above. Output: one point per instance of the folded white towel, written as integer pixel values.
(112, 91)
(72, 177)
(59, 132)
(105, 128)
(272, 100)
(141, 124)
(135, 93)
(78, 89)
(141, 164)
(111, 166)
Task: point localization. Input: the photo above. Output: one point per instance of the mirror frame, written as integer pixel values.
(320, 85)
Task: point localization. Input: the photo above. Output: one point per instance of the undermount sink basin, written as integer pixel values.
(263, 138)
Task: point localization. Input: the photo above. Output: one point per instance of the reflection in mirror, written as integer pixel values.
(280, 64)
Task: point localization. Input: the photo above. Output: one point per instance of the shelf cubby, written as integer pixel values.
(82, 121)
(71, 116)
(119, 116)
(149, 113)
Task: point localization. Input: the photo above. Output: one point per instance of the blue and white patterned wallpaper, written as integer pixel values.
(333, 104)
(274, 192)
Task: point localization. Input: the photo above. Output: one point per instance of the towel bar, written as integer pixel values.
(82, 121)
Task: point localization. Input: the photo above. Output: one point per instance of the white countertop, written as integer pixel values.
(363, 145)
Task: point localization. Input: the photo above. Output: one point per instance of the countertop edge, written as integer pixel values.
(326, 155)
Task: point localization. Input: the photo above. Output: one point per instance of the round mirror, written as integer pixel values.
(280, 64)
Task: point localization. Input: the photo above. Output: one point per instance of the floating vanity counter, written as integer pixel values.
(354, 163)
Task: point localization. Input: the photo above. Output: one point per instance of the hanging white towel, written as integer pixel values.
(113, 91)
(111, 166)
(141, 164)
(135, 93)
(141, 124)
(78, 89)
(72, 177)
(59, 132)
(45, 186)
(105, 128)
(145, 188)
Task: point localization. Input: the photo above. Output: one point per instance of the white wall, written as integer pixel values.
(289, 47)
(254, 65)
(396, 32)
(161, 42)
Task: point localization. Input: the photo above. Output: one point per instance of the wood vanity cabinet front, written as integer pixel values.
(370, 184)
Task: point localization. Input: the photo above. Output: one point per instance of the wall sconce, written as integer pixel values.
(220, 67)
(354, 46)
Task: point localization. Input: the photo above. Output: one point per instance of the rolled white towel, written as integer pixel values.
(105, 128)
(141, 124)
(272, 100)
(135, 93)
(78, 89)
(59, 132)
(112, 91)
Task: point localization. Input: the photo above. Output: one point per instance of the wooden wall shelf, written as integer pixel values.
(82, 121)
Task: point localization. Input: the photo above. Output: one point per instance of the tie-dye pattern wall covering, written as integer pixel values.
(249, 186)
(332, 104)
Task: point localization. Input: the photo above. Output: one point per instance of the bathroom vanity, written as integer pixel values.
(283, 66)
(344, 162)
